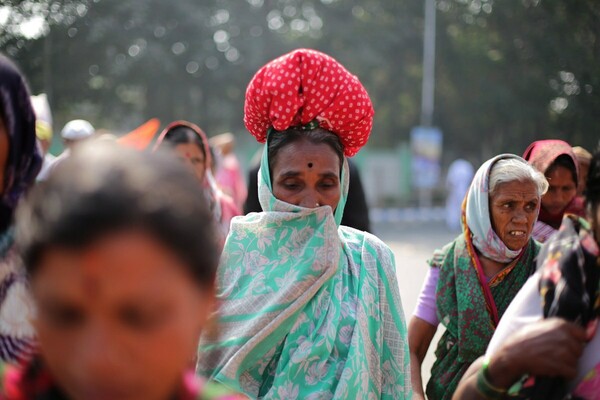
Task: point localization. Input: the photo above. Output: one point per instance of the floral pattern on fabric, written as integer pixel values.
(570, 289)
(306, 85)
(307, 309)
(462, 309)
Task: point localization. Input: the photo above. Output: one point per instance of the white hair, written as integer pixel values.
(514, 169)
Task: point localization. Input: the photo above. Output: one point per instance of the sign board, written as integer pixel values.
(426, 150)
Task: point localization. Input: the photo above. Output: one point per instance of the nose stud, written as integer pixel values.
(318, 205)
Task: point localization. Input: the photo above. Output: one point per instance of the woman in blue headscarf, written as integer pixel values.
(20, 162)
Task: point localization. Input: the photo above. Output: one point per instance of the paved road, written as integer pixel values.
(413, 244)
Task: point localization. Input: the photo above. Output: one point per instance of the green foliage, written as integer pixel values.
(507, 73)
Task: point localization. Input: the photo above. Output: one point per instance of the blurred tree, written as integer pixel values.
(516, 72)
(507, 73)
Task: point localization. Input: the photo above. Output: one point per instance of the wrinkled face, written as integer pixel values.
(514, 210)
(561, 191)
(193, 157)
(307, 175)
(4, 143)
(119, 320)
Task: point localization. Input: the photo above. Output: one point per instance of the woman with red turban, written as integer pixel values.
(308, 308)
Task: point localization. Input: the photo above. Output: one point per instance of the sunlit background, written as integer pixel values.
(506, 72)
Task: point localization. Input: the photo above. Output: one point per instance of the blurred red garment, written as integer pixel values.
(229, 175)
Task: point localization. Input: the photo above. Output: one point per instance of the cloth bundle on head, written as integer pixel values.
(306, 87)
(24, 159)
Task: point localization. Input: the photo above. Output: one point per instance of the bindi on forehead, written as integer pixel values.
(310, 165)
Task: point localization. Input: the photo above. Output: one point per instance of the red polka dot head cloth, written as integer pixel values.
(306, 87)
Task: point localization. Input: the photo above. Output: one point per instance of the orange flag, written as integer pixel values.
(142, 136)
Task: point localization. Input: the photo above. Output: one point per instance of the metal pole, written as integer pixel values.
(427, 95)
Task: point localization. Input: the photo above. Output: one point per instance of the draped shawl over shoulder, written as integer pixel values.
(468, 305)
(307, 309)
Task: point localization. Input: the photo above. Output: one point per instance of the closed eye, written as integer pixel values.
(63, 316)
(138, 319)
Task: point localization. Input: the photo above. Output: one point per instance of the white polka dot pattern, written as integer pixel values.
(305, 85)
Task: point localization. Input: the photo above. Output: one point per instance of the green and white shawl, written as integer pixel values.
(307, 308)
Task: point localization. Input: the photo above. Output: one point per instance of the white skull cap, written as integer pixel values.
(77, 129)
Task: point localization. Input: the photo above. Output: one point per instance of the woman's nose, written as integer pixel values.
(310, 200)
(96, 354)
(520, 216)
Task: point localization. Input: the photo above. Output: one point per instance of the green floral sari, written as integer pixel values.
(462, 309)
(307, 309)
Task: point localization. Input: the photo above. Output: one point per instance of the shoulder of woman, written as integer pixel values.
(439, 256)
(352, 235)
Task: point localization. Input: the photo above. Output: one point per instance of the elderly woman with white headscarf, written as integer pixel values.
(473, 279)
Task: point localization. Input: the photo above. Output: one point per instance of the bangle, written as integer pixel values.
(484, 386)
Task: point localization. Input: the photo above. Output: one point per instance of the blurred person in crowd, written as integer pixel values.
(229, 172)
(547, 345)
(556, 160)
(307, 308)
(121, 253)
(191, 146)
(356, 211)
(584, 159)
(43, 131)
(76, 131)
(472, 280)
(73, 134)
(20, 162)
(460, 175)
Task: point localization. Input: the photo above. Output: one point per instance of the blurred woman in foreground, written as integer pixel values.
(120, 249)
(20, 161)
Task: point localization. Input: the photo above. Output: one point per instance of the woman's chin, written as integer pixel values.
(516, 244)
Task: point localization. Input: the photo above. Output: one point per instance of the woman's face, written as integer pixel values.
(4, 144)
(561, 192)
(307, 175)
(193, 157)
(514, 209)
(118, 320)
